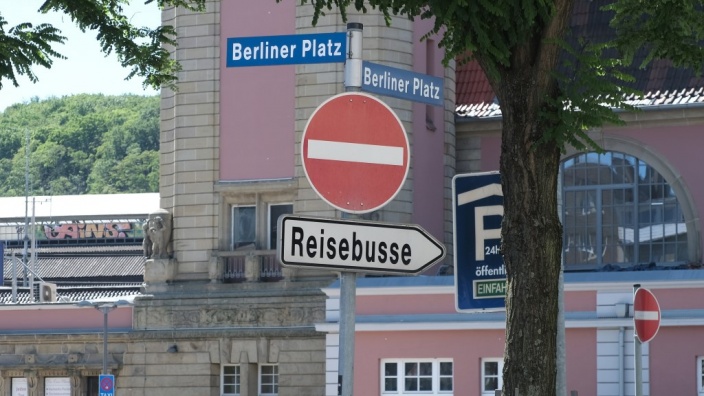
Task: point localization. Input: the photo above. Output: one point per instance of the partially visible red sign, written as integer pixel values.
(646, 315)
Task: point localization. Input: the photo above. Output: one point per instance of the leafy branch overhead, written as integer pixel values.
(24, 46)
(579, 82)
(144, 50)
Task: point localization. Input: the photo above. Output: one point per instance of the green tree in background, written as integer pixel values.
(548, 100)
(144, 50)
(81, 144)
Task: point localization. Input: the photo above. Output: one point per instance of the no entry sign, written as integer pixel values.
(355, 152)
(646, 314)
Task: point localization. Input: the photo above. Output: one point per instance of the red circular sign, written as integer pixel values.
(646, 314)
(355, 152)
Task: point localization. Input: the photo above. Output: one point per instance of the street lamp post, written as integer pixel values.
(105, 308)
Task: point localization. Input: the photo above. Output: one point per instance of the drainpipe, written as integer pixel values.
(621, 353)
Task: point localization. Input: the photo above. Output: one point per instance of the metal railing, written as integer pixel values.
(234, 269)
(270, 269)
(250, 266)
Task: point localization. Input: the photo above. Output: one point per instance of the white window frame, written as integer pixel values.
(500, 369)
(400, 377)
(700, 375)
(274, 383)
(236, 376)
(268, 220)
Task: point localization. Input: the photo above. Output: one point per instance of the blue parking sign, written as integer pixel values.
(480, 273)
(106, 382)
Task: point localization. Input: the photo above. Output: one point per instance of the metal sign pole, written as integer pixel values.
(348, 280)
(348, 291)
(638, 356)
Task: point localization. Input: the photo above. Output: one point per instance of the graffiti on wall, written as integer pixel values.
(91, 231)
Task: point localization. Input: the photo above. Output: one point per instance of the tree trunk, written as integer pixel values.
(531, 231)
(531, 247)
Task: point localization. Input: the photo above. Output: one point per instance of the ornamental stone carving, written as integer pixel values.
(157, 235)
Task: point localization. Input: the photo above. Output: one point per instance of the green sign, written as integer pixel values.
(490, 288)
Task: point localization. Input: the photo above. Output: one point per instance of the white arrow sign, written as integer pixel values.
(357, 246)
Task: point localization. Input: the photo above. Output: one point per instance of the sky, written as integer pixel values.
(86, 69)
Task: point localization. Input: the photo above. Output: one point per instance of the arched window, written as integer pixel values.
(619, 212)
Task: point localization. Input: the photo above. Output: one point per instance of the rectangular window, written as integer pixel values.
(92, 387)
(19, 386)
(57, 386)
(244, 227)
(492, 378)
(268, 379)
(275, 211)
(416, 376)
(230, 380)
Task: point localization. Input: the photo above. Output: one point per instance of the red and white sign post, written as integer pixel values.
(646, 322)
(355, 152)
(646, 315)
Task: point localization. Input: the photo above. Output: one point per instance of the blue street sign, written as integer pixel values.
(286, 50)
(106, 383)
(480, 273)
(402, 84)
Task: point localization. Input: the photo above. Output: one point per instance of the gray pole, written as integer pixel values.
(105, 339)
(353, 63)
(638, 366)
(561, 358)
(348, 291)
(105, 308)
(14, 279)
(26, 209)
(348, 280)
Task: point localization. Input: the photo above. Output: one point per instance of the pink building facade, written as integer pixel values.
(413, 320)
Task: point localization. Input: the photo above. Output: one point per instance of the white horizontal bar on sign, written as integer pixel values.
(646, 315)
(355, 152)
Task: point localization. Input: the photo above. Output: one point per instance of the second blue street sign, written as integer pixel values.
(480, 274)
(402, 84)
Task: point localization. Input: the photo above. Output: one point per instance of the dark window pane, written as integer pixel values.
(426, 384)
(491, 384)
(411, 384)
(491, 368)
(446, 368)
(92, 386)
(445, 384)
(426, 369)
(243, 226)
(275, 211)
(390, 384)
(390, 368)
(411, 369)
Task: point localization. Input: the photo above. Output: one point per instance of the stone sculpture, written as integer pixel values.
(157, 235)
